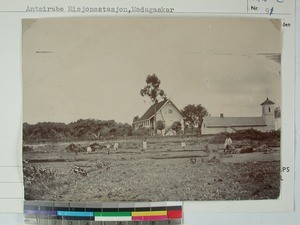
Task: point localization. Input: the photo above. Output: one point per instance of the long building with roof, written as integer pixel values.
(266, 122)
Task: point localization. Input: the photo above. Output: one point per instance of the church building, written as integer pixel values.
(166, 111)
(266, 122)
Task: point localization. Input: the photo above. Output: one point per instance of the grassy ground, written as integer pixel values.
(164, 172)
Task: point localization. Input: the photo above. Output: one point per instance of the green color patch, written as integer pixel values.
(112, 213)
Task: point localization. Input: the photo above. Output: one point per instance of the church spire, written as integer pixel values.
(267, 102)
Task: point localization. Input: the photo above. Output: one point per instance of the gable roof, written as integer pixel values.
(233, 121)
(267, 102)
(150, 112)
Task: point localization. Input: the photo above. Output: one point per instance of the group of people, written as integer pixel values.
(115, 146)
(183, 144)
(228, 147)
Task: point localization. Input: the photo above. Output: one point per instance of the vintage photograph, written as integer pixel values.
(151, 109)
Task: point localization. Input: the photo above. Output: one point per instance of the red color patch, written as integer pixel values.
(175, 214)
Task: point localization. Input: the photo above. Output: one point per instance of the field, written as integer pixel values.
(164, 172)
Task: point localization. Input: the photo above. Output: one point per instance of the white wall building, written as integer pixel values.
(166, 111)
(267, 122)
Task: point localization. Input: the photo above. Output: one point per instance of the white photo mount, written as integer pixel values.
(13, 12)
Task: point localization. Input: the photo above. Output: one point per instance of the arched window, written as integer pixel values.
(269, 109)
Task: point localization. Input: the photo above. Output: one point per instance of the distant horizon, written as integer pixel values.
(95, 67)
(132, 118)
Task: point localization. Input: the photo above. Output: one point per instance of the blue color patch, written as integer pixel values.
(73, 213)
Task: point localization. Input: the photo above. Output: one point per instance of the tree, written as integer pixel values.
(277, 112)
(194, 115)
(136, 118)
(96, 129)
(176, 126)
(153, 91)
(112, 131)
(160, 125)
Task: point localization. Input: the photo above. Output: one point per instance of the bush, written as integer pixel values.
(160, 125)
(142, 131)
(176, 126)
(75, 148)
(37, 174)
(247, 149)
(249, 134)
(27, 149)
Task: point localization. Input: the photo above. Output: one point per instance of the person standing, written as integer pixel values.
(116, 146)
(183, 144)
(227, 144)
(144, 145)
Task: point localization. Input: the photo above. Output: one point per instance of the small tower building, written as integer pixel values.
(268, 114)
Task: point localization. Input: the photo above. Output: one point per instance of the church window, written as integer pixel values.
(269, 109)
(170, 111)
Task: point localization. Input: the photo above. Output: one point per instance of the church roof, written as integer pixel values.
(267, 102)
(233, 121)
(151, 111)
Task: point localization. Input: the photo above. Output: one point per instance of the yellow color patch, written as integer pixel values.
(149, 213)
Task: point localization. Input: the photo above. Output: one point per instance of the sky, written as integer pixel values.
(79, 68)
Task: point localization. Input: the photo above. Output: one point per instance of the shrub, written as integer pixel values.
(249, 134)
(176, 126)
(75, 148)
(37, 174)
(27, 149)
(142, 131)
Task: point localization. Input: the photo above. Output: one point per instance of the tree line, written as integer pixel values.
(92, 129)
(82, 129)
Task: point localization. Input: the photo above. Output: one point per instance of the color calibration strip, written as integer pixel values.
(138, 213)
